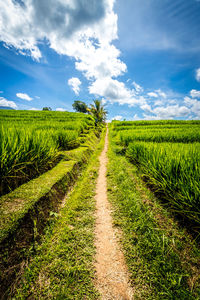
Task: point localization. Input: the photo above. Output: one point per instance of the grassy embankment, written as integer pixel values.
(63, 265)
(163, 259)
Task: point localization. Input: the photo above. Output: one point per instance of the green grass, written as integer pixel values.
(116, 124)
(30, 142)
(168, 155)
(163, 262)
(173, 170)
(63, 265)
(181, 134)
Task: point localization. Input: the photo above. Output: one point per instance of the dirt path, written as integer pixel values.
(112, 278)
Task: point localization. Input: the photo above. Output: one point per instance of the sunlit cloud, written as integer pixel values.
(24, 96)
(74, 83)
(6, 103)
(195, 94)
(60, 109)
(198, 74)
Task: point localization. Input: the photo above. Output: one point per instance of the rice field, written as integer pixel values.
(31, 142)
(168, 155)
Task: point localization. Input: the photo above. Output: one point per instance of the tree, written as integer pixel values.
(47, 108)
(80, 106)
(97, 110)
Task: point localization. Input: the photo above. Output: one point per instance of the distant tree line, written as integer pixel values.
(47, 108)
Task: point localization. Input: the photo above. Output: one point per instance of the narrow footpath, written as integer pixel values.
(112, 279)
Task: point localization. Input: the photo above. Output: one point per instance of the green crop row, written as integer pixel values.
(117, 124)
(176, 135)
(30, 142)
(168, 155)
(173, 171)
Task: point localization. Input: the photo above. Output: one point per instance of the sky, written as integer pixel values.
(140, 57)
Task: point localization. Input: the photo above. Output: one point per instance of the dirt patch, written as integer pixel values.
(112, 278)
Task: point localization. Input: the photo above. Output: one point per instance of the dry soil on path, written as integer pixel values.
(112, 279)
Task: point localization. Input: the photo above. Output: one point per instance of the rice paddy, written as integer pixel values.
(168, 155)
(152, 182)
(31, 142)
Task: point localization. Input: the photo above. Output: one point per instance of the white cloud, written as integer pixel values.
(23, 25)
(195, 94)
(137, 87)
(74, 83)
(115, 92)
(101, 62)
(161, 94)
(7, 103)
(172, 101)
(198, 74)
(37, 97)
(60, 109)
(152, 94)
(168, 112)
(146, 107)
(80, 29)
(157, 93)
(136, 117)
(24, 96)
(194, 106)
(158, 103)
(118, 118)
(34, 108)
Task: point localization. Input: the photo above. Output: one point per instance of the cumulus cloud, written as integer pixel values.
(168, 112)
(24, 96)
(118, 118)
(24, 23)
(198, 74)
(60, 109)
(194, 105)
(34, 108)
(157, 93)
(161, 93)
(146, 107)
(7, 103)
(152, 94)
(115, 92)
(74, 83)
(101, 62)
(137, 87)
(82, 29)
(195, 94)
(158, 103)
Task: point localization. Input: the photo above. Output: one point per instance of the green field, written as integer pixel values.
(49, 167)
(168, 155)
(32, 142)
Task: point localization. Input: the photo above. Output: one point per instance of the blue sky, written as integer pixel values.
(141, 57)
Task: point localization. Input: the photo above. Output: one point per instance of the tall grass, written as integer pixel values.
(173, 170)
(116, 124)
(168, 154)
(30, 143)
(159, 135)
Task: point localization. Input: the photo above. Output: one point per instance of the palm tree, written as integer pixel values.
(97, 110)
